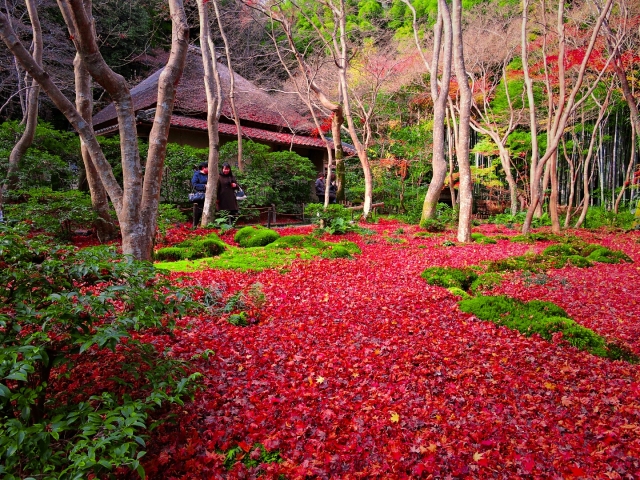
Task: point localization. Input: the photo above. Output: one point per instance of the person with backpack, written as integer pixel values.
(199, 185)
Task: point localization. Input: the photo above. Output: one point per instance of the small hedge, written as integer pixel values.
(255, 237)
(545, 319)
(449, 277)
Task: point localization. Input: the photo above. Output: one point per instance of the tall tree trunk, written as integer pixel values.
(232, 84)
(464, 129)
(105, 227)
(31, 112)
(553, 198)
(440, 95)
(214, 105)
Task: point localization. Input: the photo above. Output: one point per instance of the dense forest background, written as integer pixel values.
(390, 51)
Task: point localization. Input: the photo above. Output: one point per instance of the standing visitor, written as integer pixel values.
(199, 184)
(227, 187)
(333, 189)
(320, 187)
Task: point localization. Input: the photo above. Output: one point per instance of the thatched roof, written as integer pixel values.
(255, 107)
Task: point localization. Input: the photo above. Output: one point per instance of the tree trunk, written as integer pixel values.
(462, 149)
(439, 94)
(31, 112)
(232, 86)
(105, 227)
(553, 198)
(214, 105)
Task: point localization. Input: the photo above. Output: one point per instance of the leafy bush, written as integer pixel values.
(168, 216)
(519, 218)
(255, 236)
(544, 318)
(599, 216)
(64, 313)
(57, 213)
(179, 165)
(433, 225)
(335, 219)
(52, 161)
(449, 277)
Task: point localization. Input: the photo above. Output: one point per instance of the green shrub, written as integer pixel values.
(169, 254)
(81, 305)
(486, 281)
(57, 213)
(238, 319)
(433, 225)
(449, 277)
(210, 246)
(168, 216)
(335, 219)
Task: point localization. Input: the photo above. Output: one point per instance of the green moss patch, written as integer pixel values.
(281, 252)
(248, 237)
(449, 277)
(192, 249)
(545, 319)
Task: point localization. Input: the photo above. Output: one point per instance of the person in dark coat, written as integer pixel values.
(333, 189)
(199, 184)
(227, 186)
(320, 187)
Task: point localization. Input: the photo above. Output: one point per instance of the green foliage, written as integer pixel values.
(168, 216)
(57, 213)
(519, 218)
(52, 160)
(334, 220)
(280, 178)
(598, 217)
(433, 225)
(544, 318)
(255, 237)
(248, 458)
(533, 238)
(238, 319)
(449, 277)
(169, 254)
(179, 165)
(64, 311)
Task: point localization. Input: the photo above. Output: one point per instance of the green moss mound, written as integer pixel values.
(449, 277)
(458, 292)
(193, 248)
(169, 254)
(486, 281)
(545, 319)
(578, 261)
(338, 251)
(255, 237)
(604, 255)
(297, 241)
(533, 237)
(351, 247)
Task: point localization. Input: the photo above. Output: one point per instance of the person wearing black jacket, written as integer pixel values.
(227, 186)
(199, 184)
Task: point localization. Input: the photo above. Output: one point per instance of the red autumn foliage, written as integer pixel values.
(359, 369)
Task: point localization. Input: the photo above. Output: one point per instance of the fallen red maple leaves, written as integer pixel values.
(359, 369)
